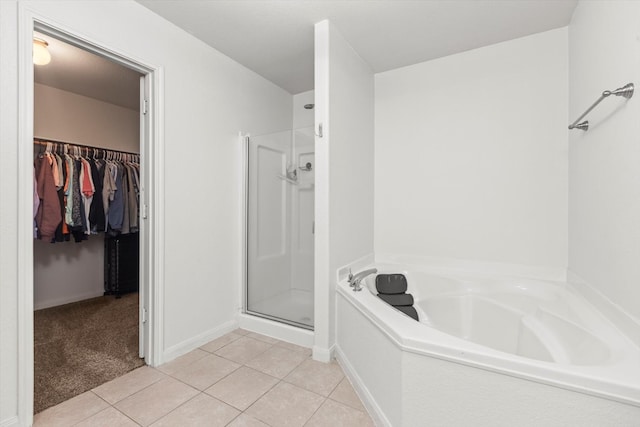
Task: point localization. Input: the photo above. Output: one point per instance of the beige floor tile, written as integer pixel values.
(277, 361)
(316, 376)
(202, 410)
(110, 417)
(206, 371)
(72, 411)
(241, 388)
(180, 362)
(220, 342)
(242, 350)
(285, 405)
(344, 393)
(116, 390)
(264, 338)
(295, 347)
(156, 401)
(334, 414)
(241, 331)
(245, 420)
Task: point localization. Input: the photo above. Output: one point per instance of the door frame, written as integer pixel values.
(152, 208)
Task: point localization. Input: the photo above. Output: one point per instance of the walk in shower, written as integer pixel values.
(280, 226)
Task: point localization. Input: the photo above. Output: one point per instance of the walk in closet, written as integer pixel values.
(86, 222)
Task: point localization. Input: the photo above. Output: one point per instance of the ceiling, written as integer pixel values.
(76, 70)
(275, 38)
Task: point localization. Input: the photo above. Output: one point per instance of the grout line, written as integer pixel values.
(336, 386)
(135, 392)
(176, 408)
(85, 418)
(158, 380)
(222, 346)
(314, 412)
(234, 418)
(134, 421)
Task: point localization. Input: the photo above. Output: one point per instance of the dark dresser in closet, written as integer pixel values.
(121, 273)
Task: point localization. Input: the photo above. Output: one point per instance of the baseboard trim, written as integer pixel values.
(8, 422)
(192, 343)
(325, 355)
(66, 300)
(361, 390)
(281, 331)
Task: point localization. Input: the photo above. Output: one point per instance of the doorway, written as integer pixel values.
(86, 267)
(151, 187)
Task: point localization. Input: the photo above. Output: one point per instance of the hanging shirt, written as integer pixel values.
(68, 191)
(116, 205)
(36, 202)
(54, 171)
(134, 211)
(48, 214)
(86, 190)
(60, 164)
(96, 212)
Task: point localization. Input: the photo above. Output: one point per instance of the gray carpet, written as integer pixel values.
(81, 345)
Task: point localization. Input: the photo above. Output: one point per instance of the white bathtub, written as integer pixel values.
(487, 351)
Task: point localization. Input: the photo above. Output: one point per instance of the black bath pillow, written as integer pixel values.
(397, 299)
(409, 311)
(391, 283)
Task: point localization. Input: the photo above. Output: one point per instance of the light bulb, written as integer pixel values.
(41, 55)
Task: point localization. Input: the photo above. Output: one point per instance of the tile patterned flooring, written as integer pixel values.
(241, 379)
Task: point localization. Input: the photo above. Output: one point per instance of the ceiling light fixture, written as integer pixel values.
(41, 55)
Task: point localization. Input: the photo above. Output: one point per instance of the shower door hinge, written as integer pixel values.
(144, 315)
(319, 133)
(144, 106)
(144, 211)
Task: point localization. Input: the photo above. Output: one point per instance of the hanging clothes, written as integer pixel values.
(48, 214)
(83, 195)
(36, 202)
(96, 212)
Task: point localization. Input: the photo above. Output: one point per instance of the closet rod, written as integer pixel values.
(44, 141)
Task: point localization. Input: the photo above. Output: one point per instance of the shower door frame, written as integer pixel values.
(245, 141)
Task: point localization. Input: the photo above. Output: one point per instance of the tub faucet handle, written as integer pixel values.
(350, 278)
(355, 281)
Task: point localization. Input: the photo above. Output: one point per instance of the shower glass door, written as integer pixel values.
(280, 226)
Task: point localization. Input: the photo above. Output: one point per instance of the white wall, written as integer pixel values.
(604, 171)
(67, 116)
(207, 99)
(471, 155)
(8, 215)
(301, 116)
(68, 271)
(344, 97)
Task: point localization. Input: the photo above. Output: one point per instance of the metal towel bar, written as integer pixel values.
(626, 91)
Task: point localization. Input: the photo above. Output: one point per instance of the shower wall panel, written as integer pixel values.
(269, 217)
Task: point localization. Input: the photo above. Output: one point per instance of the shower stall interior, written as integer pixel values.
(280, 226)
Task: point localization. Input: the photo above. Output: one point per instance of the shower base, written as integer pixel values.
(293, 306)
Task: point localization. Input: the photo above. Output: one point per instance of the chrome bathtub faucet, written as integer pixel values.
(355, 279)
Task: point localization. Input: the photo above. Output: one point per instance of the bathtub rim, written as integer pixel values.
(453, 349)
